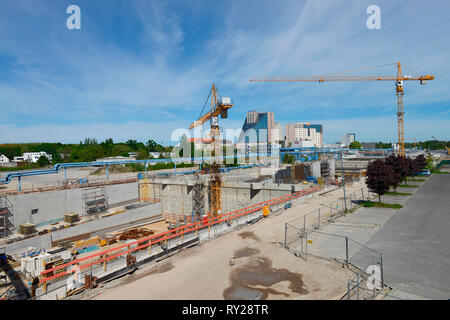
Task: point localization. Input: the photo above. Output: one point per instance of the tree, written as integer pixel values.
(288, 158)
(133, 144)
(56, 158)
(43, 161)
(429, 162)
(400, 168)
(151, 145)
(355, 145)
(421, 162)
(90, 141)
(380, 177)
(411, 167)
(142, 154)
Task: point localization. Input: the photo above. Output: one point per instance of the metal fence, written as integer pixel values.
(330, 211)
(304, 238)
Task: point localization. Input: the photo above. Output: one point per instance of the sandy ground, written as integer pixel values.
(248, 263)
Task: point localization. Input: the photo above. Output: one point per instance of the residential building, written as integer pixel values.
(302, 131)
(347, 139)
(33, 156)
(3, 159)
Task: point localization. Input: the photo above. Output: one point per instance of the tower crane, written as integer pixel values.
(219, 106)
(398, 79)
(446, 148)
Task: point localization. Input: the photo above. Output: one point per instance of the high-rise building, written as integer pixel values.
(301, 131)
(259, 128)
(260, 133)
(347, 139)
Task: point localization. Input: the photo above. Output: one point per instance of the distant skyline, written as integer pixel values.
(141, 69)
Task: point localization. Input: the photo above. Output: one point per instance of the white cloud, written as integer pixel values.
(67, 77)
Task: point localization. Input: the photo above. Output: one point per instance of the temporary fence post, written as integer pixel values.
(346, 250)
(381, 265)
(348, 291)
(285, 235)
(304, 221)
(362, 193)
(357, 286)
(306, 245)
(318, 219)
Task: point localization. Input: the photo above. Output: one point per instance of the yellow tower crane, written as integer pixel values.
(446, 148)
(399, 78)
(219, 106)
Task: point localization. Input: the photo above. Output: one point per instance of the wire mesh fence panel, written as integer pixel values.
(296, 240)
(367, 260)
(326, 245)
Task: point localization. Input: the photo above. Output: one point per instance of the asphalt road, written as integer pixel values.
(415, 242)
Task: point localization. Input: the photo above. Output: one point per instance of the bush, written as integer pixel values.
(43, 161)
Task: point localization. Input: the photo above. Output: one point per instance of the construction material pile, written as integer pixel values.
(135, 234)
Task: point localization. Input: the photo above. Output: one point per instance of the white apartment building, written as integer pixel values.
(33, 156)
(347, 139)
(301, 131)
(3, 159)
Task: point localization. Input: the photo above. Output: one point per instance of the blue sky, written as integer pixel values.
(140, 69)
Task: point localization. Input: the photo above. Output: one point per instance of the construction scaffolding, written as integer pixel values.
(6, 218)
(95, 200)
(6, 228)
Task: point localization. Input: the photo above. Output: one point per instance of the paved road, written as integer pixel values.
(415, 242)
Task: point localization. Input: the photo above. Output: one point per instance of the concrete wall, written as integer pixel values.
(176, 197)
(127, 218)
(55, 204)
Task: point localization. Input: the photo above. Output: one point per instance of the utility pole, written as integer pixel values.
(343, 180)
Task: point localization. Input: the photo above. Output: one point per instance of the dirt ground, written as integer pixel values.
(248, 263)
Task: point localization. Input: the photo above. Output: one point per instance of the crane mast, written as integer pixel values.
(218, 107)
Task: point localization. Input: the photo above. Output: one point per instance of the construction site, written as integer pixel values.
(82, 237)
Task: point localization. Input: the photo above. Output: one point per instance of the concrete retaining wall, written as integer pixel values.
(52, 205)
(177, 197)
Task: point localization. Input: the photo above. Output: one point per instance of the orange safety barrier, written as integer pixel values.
(175, 233)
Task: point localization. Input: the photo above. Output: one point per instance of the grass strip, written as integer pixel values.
(393, 193)
(372, 204)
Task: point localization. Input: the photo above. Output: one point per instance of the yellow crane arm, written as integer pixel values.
(210, 114)
(343, 78)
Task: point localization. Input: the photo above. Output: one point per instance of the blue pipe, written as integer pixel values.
(57, 167)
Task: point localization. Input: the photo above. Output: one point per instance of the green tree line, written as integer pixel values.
(86, 151)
